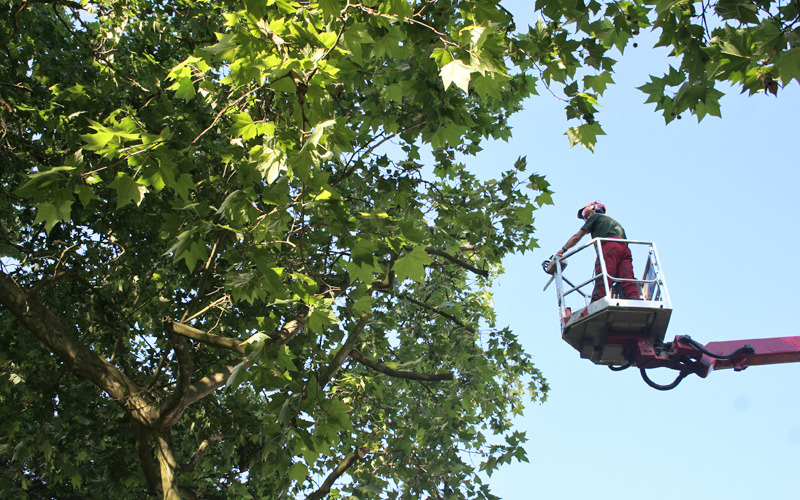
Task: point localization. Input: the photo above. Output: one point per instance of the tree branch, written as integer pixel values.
(97, 54)
(201, 288)
(166, 460)
(344, 352)
(426, 377)
(221, 113)
(438, 311)
(65, 3)
(347, 172)
(156, 373)
(287, 332)
(466, 265)
(199, 454)
(211, 383)
(173, 407)
(145, 452)
(207, 385)
(81, 359)
(325, 488)
(228, 343)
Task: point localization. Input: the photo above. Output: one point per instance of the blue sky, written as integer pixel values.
(719, 200)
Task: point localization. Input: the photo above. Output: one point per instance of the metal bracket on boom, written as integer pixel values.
(688, 356)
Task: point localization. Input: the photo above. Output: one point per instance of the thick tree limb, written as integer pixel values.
(145, 453)
(81, 359)
(426, 377)
(207, 338)
(166, 460)
(207, 385)
(325, 488)
(173, 407)
(65, 3)
(466, 265)
(287, 332)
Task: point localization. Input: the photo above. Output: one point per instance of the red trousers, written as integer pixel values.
(619, 264)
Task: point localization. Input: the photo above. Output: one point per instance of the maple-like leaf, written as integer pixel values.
(456, 72)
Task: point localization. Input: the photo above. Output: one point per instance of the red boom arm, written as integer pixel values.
(688, 356)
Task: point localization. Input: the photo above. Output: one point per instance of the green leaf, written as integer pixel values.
(85, 194)
(599, 82)
(362, 271)
(237, 375)
(412, 265)
(456, 72)
(585, 135)
(316, 134)
(52, 213)
(298, 472)
(184, 88)
(42, 181)
(183, 185)
(99, 139)
(330, 7)
(224, 47)
(788, 64)
(399, 8)
(339, 412)
(363, 305)
(740, 10)
(284, 84)
(182, 242)
(328, 39)
(244, 127)
(734, 43)
(128, 190)
(321, 315)
(197, 252)
(271, 163)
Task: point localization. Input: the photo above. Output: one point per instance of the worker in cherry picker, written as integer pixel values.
(617, 255)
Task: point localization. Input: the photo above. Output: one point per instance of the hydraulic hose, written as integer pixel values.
(660, 387)
(619, 368)
(742, 350)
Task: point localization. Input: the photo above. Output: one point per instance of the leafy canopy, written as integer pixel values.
(242, 253)
(253, 253)
(747, 44)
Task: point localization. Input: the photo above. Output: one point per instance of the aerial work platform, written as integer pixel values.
(621, 333)
(601, 330)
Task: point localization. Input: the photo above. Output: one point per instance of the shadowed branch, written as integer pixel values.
(425, 377)
(325, 488)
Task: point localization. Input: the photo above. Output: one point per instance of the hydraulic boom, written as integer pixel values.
(690, 357)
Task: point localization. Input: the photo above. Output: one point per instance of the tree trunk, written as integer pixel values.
(145, 452)
(169, 480)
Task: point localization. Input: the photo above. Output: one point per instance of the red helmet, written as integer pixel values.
(595, 206)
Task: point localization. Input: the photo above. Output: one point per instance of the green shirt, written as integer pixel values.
(603, 226)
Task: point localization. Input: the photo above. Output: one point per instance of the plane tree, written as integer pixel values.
(242, 252)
